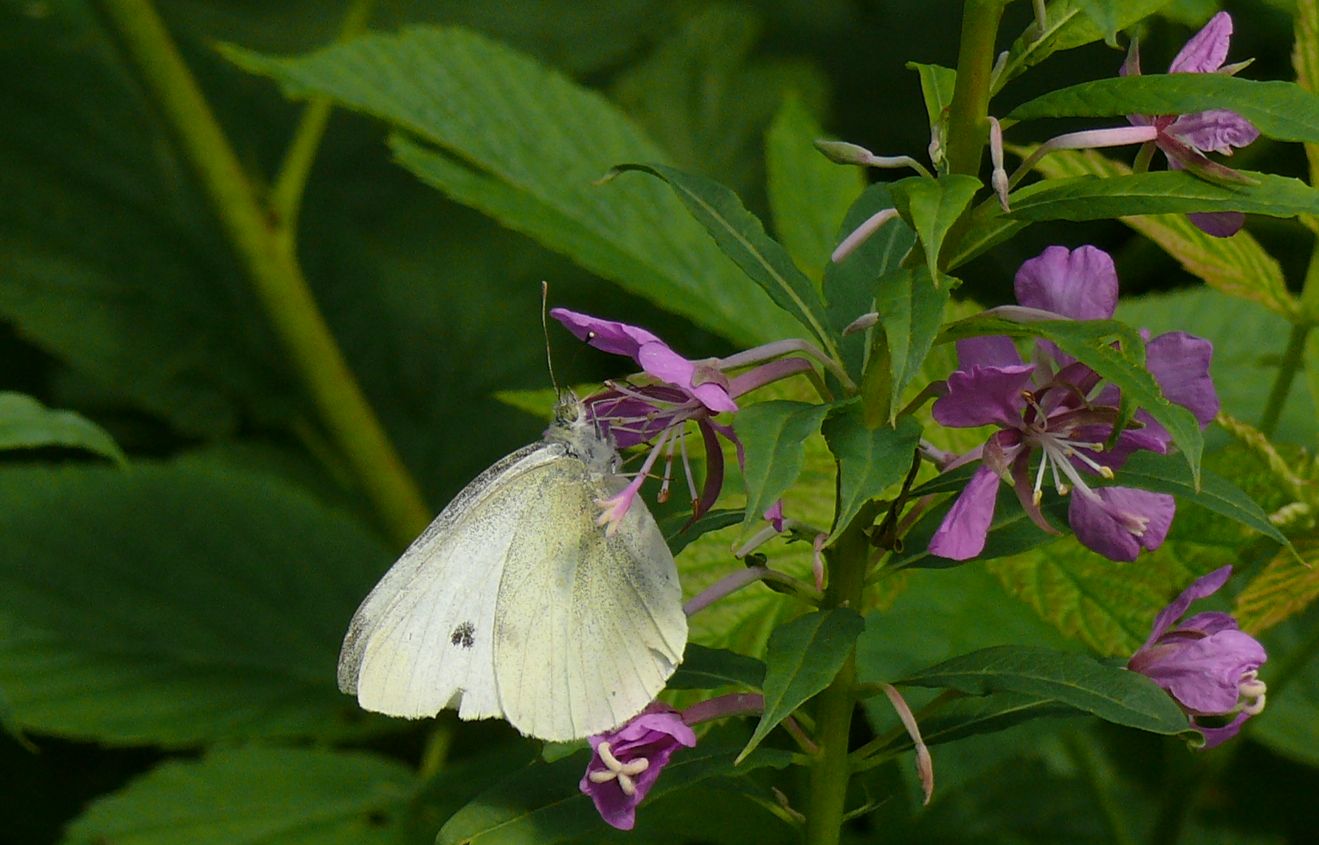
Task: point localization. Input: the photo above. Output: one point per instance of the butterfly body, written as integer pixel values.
(515, 603)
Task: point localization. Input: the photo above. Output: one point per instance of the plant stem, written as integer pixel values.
(280, 285)
(1095, 770)
(832, 770)
(1282, 383)
(967, 113)
(291, 180)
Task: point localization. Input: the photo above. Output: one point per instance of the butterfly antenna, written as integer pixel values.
(545, 329)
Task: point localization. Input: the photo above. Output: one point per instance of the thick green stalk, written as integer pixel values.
(833, 716)
(273, 269)
(968, 128)
(1290, 364)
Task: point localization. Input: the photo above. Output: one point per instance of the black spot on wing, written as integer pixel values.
(463, 635)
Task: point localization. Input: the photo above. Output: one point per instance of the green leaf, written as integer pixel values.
(742, 238)
(910, 307)
(1109, 692)
(1090, 342)
(1283, 111)
(541, 804)
(773, 434)
(1237, 266)
(525, 145)
(808, 194)
(979, 714)
(1165, 192)
(932, 206)
(1166, 474)
(1291, 724)
(679, 530)
(180, 605)
(869, 460)
(709, 668)
(803, 657)
(1305, 58)
(937, 84)
(851, 285)
(27, 424)
(1068, 26)
(1284, 588)
(256, 796)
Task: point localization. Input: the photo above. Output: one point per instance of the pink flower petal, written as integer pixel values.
(1080, 283)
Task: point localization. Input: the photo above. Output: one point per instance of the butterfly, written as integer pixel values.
(514, 603)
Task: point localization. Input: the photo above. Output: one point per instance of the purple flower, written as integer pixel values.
(1061, 409)
(678, 391)
(1206, 663)
(628, 760)
(1186, 138)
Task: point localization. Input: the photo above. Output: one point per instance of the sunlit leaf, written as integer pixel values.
(27, 424)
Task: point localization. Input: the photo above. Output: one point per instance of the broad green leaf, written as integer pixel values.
(742, 238)
(180, 605)
(1165, 474)
(937, 84)
(1283, 111)
(1068, 26)
(979, 714)
(932, 206)
(27, 424)
(803, 657)
(541, 804)
(851, 285)
(1237, 266)
(808, 194)
(1283, 589)
(910, 307)
(526, 145)
(1311, 364)
(709, 91)
(1104, 15)
(709, 668)
(1165, 192)
(257, 796)
(1090, 342)
(1290, 724)
(773, 434)
(1305, 59)
(869, 460)
(1109, 692)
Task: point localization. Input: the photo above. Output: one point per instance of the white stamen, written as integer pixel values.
(629, 788)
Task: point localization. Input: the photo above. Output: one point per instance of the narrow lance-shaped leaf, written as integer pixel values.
(932, 206)
(1068, 25)
(803, 657)
(773, 434)
(707, 668)
(979, 714)
(808, 194)
(27, 424)
(1305, 58)
(910, 307)
(1237, 266)
(742, 237)
(937, 84)
(1165, 192)
(1078, 680)
(869, 460)
(1283, 111)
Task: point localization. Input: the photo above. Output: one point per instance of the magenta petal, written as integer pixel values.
(987, 351)
(1218, 736)
(1216, 130)
(658, 360)
(1218, 224)
(1207, 49)
(984, 396)
(1117, 522)
(1180, 363)
(1201, 587)
(606, 335)
(1080, 283)
(1208, 623)
(1205, 675)
(961, 535)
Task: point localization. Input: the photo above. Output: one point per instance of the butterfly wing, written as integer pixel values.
(422, 640)
(588, 625)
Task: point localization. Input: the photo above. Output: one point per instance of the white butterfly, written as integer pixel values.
(514, 603)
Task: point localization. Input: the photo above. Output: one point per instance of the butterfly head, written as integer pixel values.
(576, 429)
